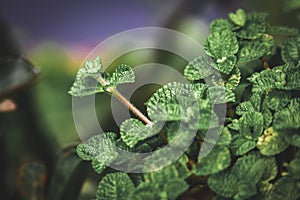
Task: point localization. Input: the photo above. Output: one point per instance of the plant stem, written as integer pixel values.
(265, 63)
(131, 107)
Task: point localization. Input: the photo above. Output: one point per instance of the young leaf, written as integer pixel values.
(100, 149)
(221, 45)
(239, 17)
(271, 142)
(114, 186)
(233, 79)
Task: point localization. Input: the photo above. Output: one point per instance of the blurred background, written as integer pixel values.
(42, 45)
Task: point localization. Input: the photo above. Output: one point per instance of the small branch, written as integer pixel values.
(131, 107)
(265, 63)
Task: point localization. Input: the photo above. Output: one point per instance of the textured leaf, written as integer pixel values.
(175, 187)
(132, 131)
(284, 189)
(220, 25)
(277, 100)
(199, 68)
(288, 118)
(271, 142)
(86, 79)
(224, 184)
(249, 168)
(100, 149)
(221, 45)
(145, 191)
(215, 161)
(290, 51)
(114, 186)
(233, 79)
(268, 118)
(250, 50)
(268, 79)
(239, 17)
(254, 27)
(171, 103)
(226, 64)
(220, 94)
(246, 189)
(123, 74)
(293, 167)
(282, 30)
(241, 145)
(251, 124)
(244, 107)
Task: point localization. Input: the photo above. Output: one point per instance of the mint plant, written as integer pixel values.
(257, 154)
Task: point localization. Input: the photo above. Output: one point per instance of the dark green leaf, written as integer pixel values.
(115, 186)
(199, 68)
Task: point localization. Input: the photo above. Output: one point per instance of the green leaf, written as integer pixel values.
(221, 45)
(216, 160)
(239, 17)
(282, 30)
(226, 64)
(171, 103)
(100, 149)
(220, 25)
(199, 68)
(220, 94)
(233, 79)
(175, 187)
(254, 27)
(132, 131)
(224, 184)
(268, 79)
(277, 99)
(290, 5)
(271, 142)
(86, 79)
(249, 168)
(290, 51)
(246, 189)
(268, 118)
(114, 186)
(284, 189)
(251, 124)
(241, 145)
(245, 107)
(145, 191)
(293, 167)
(288, 118)
(123, 74)
(250, 50)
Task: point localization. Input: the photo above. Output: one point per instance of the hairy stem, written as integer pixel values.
(265, 63)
